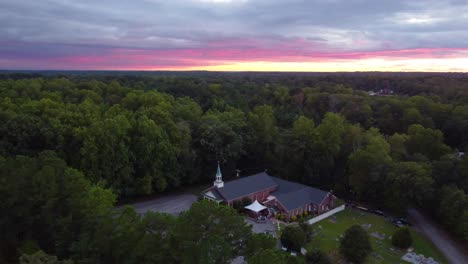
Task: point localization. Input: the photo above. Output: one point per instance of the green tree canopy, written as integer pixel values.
(367, 165)
(47, 202)
(293, 238)
(402, 238)
(207, 222)
(426, 141)
(317, 257)
(355, 244)
(41, 258)
(258, 242)
(453, 208)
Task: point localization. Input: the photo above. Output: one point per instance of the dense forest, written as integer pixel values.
(71, 145)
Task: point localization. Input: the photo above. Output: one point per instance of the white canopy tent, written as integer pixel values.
(255, 207)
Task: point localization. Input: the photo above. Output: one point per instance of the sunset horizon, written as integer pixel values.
(234, 131)
(230, 35)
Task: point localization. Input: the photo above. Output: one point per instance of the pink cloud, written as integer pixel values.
(215, 53)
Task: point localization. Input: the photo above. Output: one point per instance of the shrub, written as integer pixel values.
(317, 257)
(402, 238)
(306, 227)
(308, 231)
(258, 242)
(355, 244)
(41, 257)
(293, 218)
(245, 202)
(293, 238)
(238, 205)
(339, 202)
(305, 214)
(29, 247)
(266, 256)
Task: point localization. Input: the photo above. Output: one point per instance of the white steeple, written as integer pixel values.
(219, 178)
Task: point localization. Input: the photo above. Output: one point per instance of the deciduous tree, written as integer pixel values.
(355, 244)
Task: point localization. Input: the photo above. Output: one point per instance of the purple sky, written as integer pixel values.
(235, 35)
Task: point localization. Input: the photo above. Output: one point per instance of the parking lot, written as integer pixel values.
(173, 204)
(261, 227)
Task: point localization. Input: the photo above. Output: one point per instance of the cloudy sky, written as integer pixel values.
(253, 35)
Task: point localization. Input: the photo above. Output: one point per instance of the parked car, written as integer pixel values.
(378, 212)
(404, 221)
(399, 222)
(362, 208)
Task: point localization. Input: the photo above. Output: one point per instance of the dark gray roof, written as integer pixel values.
(247, 185)
(295, 195)
(291, 195)
(216, 194)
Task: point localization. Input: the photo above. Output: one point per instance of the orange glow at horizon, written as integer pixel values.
(403, 65)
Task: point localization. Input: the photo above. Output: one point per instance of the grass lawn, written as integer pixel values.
(328, 233)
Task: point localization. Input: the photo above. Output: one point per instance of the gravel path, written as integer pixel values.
(173, 204)
(448, 247)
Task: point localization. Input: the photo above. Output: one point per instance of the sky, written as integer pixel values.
(235, 35)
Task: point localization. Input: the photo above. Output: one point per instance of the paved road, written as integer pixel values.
(173, 204)
(447, 246)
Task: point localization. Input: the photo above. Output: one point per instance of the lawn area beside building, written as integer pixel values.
(380, 230)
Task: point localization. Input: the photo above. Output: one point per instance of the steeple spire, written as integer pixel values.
(219, 178)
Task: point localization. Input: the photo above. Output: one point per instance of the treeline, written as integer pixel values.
(52, 214)
(139, 135)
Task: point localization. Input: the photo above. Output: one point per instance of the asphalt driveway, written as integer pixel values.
(173, 204)
(453, 252)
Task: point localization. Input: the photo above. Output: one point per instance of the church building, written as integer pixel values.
(290, 198)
